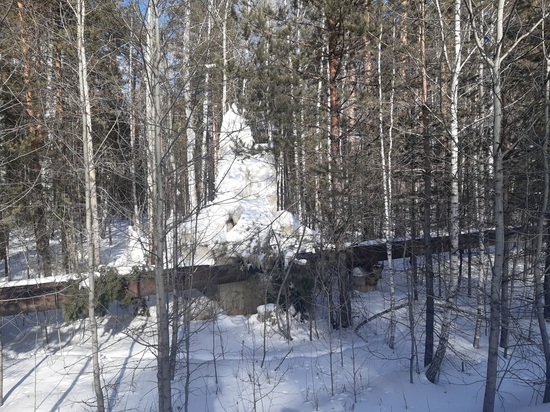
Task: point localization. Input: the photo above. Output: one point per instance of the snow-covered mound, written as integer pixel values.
(243, 219)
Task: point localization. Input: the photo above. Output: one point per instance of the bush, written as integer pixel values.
(142, 272)
(109, 287)
(75, 306)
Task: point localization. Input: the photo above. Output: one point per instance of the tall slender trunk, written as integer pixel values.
(158, 207)
(427, 198)
(543, 222)
(192, 200)
(546, 140)
(208, 148)
(494, 61)
(387, 178)
(92, 227)
(454, 207)
(1, 364)
(334, 57)
(480, 211)
(224, 104)
(68, 228)
(148, 57)
(36, 135)
(498, 265)
(334, 102)
(135, 218)
(498, 176)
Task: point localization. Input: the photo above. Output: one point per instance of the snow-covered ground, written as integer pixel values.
(240, 363)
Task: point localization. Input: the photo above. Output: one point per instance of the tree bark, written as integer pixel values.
(334, 108)
(387, 178)
(494, 61)
(427, 201)
(36, 134)
(1, 364)
(543, 222)
(454, 207)
(546, 278)
(498, 175)
(158, 205)
(135, 217)
(92, 226)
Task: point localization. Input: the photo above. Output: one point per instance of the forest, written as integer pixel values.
(385, 120)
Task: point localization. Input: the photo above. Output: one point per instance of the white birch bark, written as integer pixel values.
(318, 149)
(454, 65)
(149, 127)
(386, 180)
(206, 136)
(205, 143)
(494, 60)
(224, 56)
(92, 225)
(190, 133)
(49, 118)
(135, 218)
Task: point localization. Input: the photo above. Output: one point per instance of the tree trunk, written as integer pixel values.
(92, 226)
(191, 189)
(148, 61)
(157, 206)
(543, 222)
(38, 211)
(480, 211)
(1, 364)
(494, 61)
(546, 278)
(224, 103)
(334, 109)
(134, 213)
(454, 208)
(427, 203)
(498, 175)
(506, 297)
(387, 180)
(498, 266)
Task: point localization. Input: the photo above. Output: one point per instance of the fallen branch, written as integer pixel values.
(377, 315)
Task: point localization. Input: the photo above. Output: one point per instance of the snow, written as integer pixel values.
(48, 368)
(243, 218)
(241, 363)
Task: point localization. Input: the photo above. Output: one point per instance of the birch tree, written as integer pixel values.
(92, 227)
(387, 174)
(494, 56)
(454, 65)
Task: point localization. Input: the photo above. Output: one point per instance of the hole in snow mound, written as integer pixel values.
(230, 223)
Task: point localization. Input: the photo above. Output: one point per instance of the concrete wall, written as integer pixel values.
(239, 298)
